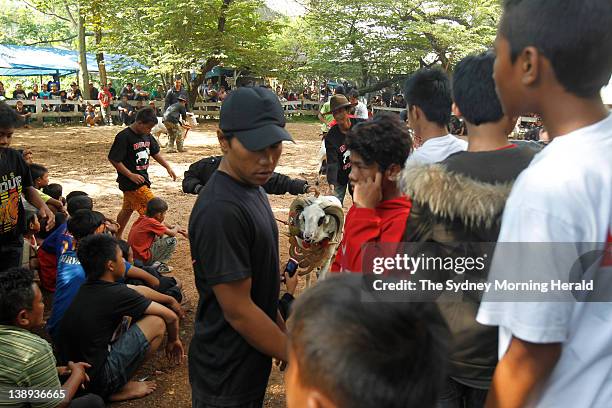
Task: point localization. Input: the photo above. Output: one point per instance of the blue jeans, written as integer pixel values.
(457, 395)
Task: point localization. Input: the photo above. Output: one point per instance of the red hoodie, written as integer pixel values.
(385, 223)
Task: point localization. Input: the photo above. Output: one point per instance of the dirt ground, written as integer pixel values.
(76, 158)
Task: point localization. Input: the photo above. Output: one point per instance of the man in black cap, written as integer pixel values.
(234, 246)
(174, 115)
(337, 153)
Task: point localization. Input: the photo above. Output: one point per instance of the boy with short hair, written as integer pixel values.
(151, 239)
(428, 96)
(112, 326)
(350, 348)
(379, 149)
(130, 154)
(40, 176)
(553, 59)
(26, 360)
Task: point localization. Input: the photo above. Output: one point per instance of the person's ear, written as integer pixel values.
(23, 318)
(393, 171)
(530, 66)
(223, 142)
(457, 111)
(314, 399)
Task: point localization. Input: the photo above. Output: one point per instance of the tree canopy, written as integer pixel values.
(371, 43)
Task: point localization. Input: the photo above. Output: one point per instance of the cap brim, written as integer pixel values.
(262, 137)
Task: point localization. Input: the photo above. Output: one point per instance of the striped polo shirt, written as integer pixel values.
(26, 360)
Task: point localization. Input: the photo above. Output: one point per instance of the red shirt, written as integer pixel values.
(142, 235)
(105, 98)
(386, 223)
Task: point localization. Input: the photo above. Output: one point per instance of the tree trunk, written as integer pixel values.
(210, 62)
(83, 72)
(100, 57)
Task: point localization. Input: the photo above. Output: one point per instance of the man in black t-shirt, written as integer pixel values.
(238, 327)
(15, 180)
(130, 154)
(338, 155)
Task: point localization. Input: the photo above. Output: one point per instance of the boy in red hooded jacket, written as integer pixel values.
(379, 148)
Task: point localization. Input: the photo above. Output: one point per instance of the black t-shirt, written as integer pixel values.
(174, 113)
(134, 152)
(91, 319)
(14, 177)
(338, 156)
(233, 236)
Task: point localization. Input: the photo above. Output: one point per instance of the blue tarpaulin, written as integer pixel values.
(19, 60)
(219, 71)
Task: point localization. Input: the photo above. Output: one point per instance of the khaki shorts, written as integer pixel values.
(137, 200)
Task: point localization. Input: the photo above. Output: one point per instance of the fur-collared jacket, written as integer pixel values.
(455, 202)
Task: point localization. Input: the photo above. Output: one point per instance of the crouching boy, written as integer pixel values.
(151, 239)
(113, 327)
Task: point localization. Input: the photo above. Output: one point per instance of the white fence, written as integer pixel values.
(50, 108)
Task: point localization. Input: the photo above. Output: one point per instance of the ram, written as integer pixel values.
(315, 230)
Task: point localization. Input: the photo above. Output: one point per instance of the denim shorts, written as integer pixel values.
(125, 357)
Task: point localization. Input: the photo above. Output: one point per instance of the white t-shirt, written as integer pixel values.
(437, 149)
(361, 111)
(565, 195)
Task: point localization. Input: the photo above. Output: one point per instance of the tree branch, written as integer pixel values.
(49, 13)
(52, 41)
(70, 15)
(383, 84)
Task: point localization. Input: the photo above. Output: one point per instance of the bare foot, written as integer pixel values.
(134, 390)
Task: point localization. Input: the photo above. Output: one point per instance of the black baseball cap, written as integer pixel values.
(255, 116)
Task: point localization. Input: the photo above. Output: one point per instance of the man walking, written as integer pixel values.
(174, 115)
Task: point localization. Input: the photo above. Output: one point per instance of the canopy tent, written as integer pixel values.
(20, 60)
(219, 71)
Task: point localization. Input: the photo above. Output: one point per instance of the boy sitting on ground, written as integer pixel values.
(166, 284)
(151, 239)
(29, 258)
(54, 190)
(70, 273)
(59, 241)
(40, 177)
(95, 327)
(26, 360)
(348, 348)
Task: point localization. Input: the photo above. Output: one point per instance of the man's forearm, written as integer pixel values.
(160, 159)
(524, 366)
(137, 273)
(261, 332)
(152, 294)
(33, 197)
(121, 168)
